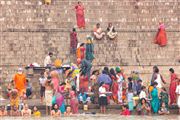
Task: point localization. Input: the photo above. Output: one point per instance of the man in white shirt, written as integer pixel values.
(47, 60)
(102, 98)
(142, 93)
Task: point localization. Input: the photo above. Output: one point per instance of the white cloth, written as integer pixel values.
(142, 94)
(178, 92)
(120, 88)
(102, 90)
(159, 81)
(42, 81)
(48, 97)
(77, 82)
(111, 34)
(130, 97)
(47, 61)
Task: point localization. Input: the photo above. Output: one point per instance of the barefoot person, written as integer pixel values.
(161, 38)
(102, 98)
(48, 94)
(68, 111)
(20, 82)
(36, 112)
(15, 111)
(98, 33)
(111, 33)
(163, 110)
(42, 81)
(172, 87)
(3, 111)
(26, 111)
(178, 95)
(55, 112)
(79, 8)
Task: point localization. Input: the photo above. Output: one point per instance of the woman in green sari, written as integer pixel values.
(155, 104)
(164, 97)
(89, 49)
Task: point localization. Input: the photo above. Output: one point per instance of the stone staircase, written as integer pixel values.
(30, 29)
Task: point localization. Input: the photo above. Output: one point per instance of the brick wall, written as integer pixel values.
(29, 29)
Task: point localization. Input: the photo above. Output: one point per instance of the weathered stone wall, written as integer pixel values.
(29, 29)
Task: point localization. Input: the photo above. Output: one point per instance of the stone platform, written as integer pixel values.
(92, 108)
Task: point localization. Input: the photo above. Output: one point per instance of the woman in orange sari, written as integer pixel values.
(161, 38)
(172, 87)
(80, 15)
(80, 52)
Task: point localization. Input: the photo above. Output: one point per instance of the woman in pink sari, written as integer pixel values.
(172, 87)
(74, 101)
(55, 79)
(80, 15)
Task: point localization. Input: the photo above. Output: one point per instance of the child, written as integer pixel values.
(83, 97)
(95, 90)
(10, 87)
(178, 94)
(130, 100)
(14, 111)
(143, 93)
(3, 111)
(163, 110)
(42, 81)
(26, 111)
(130, 83)
(68, 111)
(48, 94)
(55, 112)
(36, 112)
(125, 111)
(93, 77)
(164, 97)
(14, 98)
(139, 85)
(28, 88)
(102, 98)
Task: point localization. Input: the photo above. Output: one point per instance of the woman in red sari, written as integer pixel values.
(161, 38)
(114, 87)
(74, 41)
(80, 15)
(172, 88)
(84, 83)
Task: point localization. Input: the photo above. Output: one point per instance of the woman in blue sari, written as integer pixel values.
(155, 104)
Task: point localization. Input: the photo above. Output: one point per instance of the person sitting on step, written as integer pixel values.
(111, 33)
(98, 33)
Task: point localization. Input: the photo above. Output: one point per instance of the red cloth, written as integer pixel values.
(82, 52)
(114, 89)
(83, 83)
(161, 38)
(74, 41)
(80, 16)
(172, 88)
(126, 112)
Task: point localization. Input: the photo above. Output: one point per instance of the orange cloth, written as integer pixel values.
(84, 83)
(78, 52)
(161, 37)
(20, 82)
